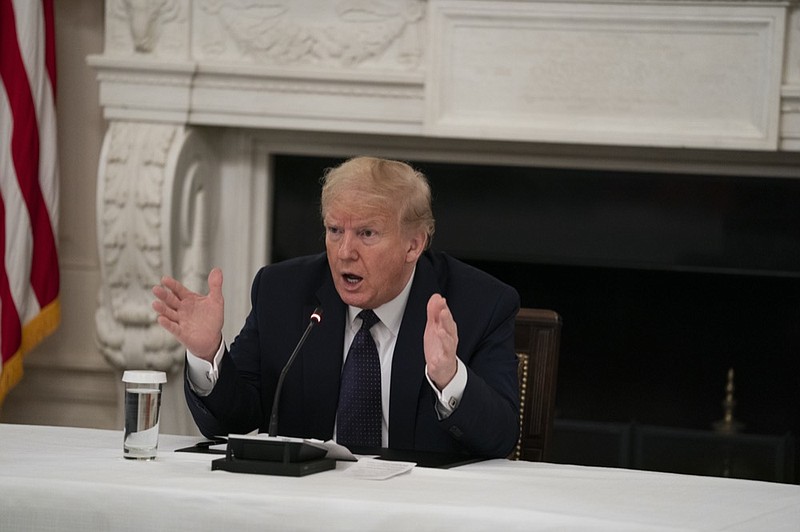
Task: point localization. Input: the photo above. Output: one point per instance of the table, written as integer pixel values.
(63, 478)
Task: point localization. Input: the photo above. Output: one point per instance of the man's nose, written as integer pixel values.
(347, 247)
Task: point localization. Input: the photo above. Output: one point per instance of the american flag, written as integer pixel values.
(29, 276)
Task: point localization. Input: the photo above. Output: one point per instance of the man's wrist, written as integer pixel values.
(202, 373)
(449, 397)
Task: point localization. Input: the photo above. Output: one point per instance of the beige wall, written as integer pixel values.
(67, 381)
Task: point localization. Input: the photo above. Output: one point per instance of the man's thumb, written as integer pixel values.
(215, 283)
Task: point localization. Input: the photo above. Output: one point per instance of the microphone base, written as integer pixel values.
(264, 467)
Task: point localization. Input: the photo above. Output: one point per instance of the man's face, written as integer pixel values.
(370, 256)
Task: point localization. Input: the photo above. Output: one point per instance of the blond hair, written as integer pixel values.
(384, 184)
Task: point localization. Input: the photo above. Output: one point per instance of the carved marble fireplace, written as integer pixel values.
(200, 95)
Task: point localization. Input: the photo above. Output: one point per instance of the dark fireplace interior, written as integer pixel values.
(663, 282)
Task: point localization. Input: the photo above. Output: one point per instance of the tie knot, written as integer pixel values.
(368, 319)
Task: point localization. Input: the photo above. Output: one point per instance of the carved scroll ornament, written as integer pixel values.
(151, 206)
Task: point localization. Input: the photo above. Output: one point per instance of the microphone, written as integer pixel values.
(277, 455)
(315, 318)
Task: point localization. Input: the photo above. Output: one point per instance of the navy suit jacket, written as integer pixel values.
(486, 421)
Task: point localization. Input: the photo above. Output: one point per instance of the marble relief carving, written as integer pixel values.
(143, 25)
(349, 33)
(151, 206)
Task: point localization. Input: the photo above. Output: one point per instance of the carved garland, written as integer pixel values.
(364, 30)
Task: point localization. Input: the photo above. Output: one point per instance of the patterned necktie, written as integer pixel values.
(358, 419)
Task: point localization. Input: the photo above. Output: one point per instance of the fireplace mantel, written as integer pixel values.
(199, 93)
(679, 73)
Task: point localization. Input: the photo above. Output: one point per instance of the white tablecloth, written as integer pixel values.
(56, 478)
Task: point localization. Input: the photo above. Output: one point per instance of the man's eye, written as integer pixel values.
(369, 233)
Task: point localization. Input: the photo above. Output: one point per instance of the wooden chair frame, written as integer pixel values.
(537, 339)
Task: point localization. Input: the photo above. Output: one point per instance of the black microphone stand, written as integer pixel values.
(275, 455)
(316, 317)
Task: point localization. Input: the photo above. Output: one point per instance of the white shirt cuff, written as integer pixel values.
(450, 397)
(203, 374)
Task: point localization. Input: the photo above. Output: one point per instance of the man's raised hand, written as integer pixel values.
(195, 320)
(440, 342)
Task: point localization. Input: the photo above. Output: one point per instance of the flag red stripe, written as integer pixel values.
(25, 154)
(10, 325)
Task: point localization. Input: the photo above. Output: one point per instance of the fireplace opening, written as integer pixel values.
(664, 283)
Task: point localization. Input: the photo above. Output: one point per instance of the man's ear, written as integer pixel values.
(416, 245)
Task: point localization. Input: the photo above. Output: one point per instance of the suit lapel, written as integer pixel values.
(408, 363)
(323, 361)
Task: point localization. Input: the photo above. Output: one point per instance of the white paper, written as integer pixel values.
(372, 469)
(336, 451)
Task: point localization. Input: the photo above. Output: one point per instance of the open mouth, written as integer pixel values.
(350, 278)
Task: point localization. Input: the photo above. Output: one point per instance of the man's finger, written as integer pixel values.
(166, 297)
(448, 322)
(435, 305)
(175, 287)
(165, 311)
(170, 326)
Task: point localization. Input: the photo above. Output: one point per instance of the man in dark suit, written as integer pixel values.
(443, 337)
